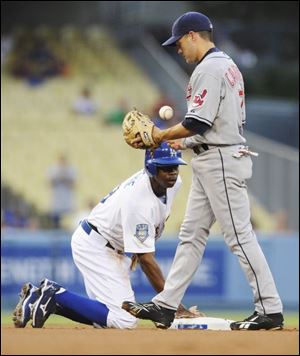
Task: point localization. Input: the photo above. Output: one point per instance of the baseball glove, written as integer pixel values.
(137, 124)
(191, 312)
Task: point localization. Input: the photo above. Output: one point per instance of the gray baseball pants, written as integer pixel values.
(219, 192)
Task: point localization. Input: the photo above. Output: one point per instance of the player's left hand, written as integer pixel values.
(139, 131)
(192, 312)
(138, 142)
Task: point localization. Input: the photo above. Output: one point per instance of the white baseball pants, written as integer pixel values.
(105, 274)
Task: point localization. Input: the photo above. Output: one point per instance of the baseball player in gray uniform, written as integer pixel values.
(213, 129)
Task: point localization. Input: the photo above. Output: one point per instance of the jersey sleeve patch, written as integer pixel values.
(199, 99)
(141, 232)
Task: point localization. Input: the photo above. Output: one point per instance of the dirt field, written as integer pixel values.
(58, 340)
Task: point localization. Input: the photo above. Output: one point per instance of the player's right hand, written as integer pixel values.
(177, 144)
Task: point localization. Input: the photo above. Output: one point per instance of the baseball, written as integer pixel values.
(166, 112)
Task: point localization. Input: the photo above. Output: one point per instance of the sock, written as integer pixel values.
(89, 309)
(70, 314)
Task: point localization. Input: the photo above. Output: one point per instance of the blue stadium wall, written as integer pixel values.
(218, 284)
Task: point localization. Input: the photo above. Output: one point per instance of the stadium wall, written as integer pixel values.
(218, 283)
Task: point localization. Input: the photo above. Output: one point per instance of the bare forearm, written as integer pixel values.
(174, 132)
(153, 273)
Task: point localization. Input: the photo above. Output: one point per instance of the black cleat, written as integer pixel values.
(258, 321)
(161, 317)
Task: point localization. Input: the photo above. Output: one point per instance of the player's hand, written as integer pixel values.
(137, 142)
(177, 144)
(156, 135)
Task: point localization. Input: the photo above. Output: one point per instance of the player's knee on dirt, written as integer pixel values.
(121, 320)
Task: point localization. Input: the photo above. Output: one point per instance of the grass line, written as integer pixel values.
(291, 318)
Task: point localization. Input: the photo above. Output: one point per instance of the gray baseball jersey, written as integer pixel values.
(215, 96)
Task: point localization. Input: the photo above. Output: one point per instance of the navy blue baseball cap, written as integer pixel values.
(190, 21)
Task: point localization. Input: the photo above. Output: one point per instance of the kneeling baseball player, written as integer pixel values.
(127, 220)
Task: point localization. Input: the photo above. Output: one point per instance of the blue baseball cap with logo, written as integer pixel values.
(190, 21)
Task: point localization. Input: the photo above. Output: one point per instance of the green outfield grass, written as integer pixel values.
(291, 318)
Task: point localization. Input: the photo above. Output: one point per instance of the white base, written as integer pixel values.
(201, 323)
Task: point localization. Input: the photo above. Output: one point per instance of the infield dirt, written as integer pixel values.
(87, 341)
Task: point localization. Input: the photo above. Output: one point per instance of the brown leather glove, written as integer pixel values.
(137, 124)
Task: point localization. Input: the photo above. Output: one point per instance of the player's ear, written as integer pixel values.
(192, 35)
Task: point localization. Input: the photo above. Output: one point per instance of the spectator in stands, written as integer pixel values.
(35, 61)
(282, 221)
(7, 44)
(62, 178)
(85, 104)
(116, 115)
(14, 217)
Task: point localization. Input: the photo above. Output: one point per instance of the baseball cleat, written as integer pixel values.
(161, 317)
(258, 321)
(28, 296)
(49, 282)
(45, 305)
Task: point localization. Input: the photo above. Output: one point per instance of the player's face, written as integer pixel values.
(166, 176)
(187, 49)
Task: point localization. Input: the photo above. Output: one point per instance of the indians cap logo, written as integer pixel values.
(142, 232)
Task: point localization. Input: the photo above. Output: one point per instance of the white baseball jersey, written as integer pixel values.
(132, 217)
(215, 96)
